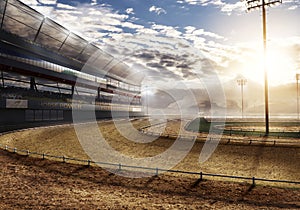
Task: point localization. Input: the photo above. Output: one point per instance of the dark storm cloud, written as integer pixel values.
(183, 66)
(167, 63)
(145, 56)
(156, 65)
(182, 45)
(112, 50)
(167, 57)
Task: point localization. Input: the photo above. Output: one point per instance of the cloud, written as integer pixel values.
(145, 55)
(47, 1)
(65, 6)
(224, 7)
(130, 11)
(157, 10)
(31, 2)
(168, 31)
(238, 7)
(120, 17)
(132, 25)
(147, 31)
(293, 7)
(198, 32)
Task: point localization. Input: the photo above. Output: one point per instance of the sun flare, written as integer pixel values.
(279, 67)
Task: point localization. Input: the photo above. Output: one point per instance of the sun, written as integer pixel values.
(280, 68)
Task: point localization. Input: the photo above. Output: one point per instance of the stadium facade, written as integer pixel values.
(41, 66)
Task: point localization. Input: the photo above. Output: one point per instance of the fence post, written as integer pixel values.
(64, 159)
(15, 150)
(43, 156)
(156, 172)
(89, 163)
(201, 176)
(253, 181)
(120, 166)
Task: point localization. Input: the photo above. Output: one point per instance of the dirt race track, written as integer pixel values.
(34, 183)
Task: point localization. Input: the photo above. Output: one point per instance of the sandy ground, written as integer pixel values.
(29, 183)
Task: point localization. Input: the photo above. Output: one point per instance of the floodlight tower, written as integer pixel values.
(297, 79)
(256, 4)
(146, 99)
(242, 83)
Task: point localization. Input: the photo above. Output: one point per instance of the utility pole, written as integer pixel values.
(256, 4)
(242, 83)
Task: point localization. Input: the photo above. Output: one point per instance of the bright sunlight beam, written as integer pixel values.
(281, 69)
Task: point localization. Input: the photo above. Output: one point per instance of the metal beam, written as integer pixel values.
(64, 42)
(38, 32)
(4, 11)
(22, 46)
(77, 57)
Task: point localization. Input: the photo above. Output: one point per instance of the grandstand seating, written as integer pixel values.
(43, 67)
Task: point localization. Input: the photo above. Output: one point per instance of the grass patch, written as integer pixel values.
(277, 129)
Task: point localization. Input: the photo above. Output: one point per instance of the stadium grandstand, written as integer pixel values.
(41, 66)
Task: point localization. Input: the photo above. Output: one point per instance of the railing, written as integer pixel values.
(61, 69)
(226, 140)
(155, 171)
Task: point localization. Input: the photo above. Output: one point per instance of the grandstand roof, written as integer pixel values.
(24, 22)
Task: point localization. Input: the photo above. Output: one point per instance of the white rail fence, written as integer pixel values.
(154, 171)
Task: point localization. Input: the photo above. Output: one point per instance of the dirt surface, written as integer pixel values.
(29, 183)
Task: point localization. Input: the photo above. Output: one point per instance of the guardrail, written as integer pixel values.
(155, 171)
(227, 140)
(236, 140)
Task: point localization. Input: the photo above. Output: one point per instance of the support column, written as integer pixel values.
(72, 90)
(98, 93)
(33, 84)
(2, 79)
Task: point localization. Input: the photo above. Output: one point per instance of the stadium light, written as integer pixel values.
(147, 101)
(242, 83)
(297, 79)
(145, 90)
(257, 4)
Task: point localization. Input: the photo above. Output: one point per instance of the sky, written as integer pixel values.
(179, 44)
